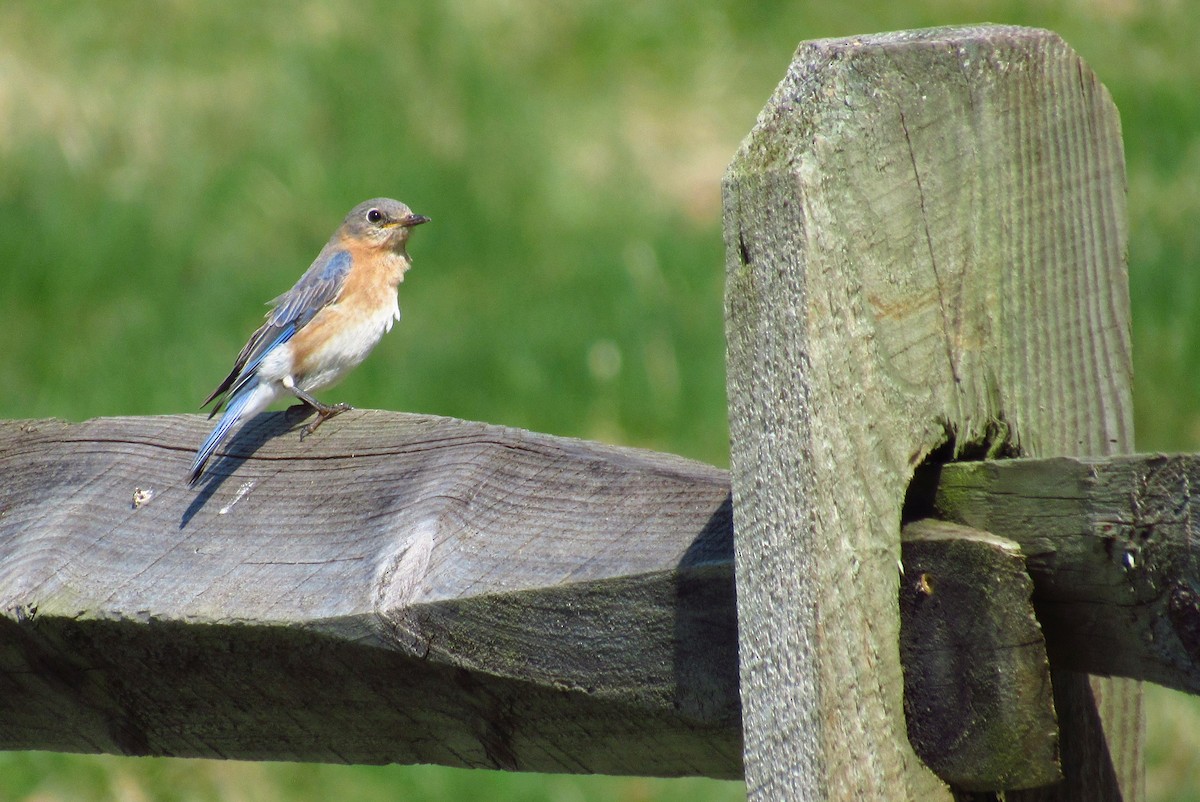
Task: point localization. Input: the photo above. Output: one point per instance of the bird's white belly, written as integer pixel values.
(346, 346)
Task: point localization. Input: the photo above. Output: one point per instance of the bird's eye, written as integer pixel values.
(374, 216)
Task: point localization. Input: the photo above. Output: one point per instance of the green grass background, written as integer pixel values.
(166, 168)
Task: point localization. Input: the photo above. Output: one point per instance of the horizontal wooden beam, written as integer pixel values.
(1111, 545)
(398, 588)
(413, 589)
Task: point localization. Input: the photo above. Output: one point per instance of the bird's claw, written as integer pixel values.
(324, 415)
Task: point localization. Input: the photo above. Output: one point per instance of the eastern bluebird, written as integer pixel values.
(323, 326)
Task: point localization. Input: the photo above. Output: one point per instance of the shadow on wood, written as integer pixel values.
(246, 440)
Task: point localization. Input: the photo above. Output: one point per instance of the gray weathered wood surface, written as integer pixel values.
(1111, 546)
(396, 588)
(925, 240)
(416, 589)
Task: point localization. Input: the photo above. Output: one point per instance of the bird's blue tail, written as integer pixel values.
(234, 412)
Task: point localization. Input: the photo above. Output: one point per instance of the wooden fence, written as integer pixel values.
(926, 243)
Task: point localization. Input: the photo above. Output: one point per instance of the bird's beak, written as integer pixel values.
(408, 221)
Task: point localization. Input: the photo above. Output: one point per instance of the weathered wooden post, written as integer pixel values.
(926, 241)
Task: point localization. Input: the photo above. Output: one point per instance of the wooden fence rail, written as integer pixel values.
(417, 589)
(405, 589)
(925, 254)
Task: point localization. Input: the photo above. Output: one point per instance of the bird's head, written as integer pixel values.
(381, 222)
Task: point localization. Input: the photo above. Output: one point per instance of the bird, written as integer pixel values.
(323, 326)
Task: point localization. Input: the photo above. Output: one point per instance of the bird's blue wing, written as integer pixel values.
(320, 286)
(317, 288)
(246, 373)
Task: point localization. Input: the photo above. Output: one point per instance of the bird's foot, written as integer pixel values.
(324, 414)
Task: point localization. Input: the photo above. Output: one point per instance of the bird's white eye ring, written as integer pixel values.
(374, 216)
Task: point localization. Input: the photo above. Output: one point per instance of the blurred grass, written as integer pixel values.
(164, 172)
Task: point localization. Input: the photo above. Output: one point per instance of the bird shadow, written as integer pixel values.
(248, 439)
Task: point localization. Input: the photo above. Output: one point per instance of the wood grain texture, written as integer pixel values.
(396, 588)
(465, 594)
(925, 240)
(977, 692)
(1110, 544)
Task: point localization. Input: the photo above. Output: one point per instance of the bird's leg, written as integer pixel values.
(324, 411)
